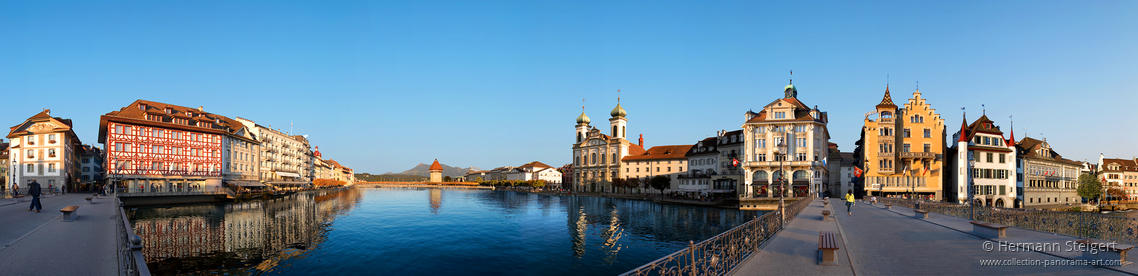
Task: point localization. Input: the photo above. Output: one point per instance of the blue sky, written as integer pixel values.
(384, 85)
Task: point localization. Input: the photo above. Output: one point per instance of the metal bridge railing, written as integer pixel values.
(1078, 224)
(131, 261)
(720, 254)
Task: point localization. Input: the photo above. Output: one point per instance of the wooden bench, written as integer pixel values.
(1094, 249)
(825, 215)
(827, 248)
(888, 206)
(67, 213)
(88, 200)
(989, 230)
(918, 213)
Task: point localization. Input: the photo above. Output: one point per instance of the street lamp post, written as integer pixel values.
(782, 174)
(971, 189)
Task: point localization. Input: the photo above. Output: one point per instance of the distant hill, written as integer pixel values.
(424, 170)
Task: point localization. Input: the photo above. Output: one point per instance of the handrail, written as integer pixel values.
(131, 260)
(1078, 224)
(722, 253)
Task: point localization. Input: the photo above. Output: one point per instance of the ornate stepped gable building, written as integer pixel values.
(1121, 174)
(45, 149)
(993, 174)
(1048, 178)
(596, 156)
(807, 141)
(904, 149)
(164, 147)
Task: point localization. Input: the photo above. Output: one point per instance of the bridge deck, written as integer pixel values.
(877, 241)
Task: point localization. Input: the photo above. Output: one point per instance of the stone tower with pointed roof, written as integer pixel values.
(904, 149)
(436, 171)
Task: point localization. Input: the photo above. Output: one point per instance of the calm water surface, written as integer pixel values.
(422, 232)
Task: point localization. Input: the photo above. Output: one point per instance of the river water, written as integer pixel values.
(390, 231)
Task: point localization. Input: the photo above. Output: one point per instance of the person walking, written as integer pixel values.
(849, 202)
(34, 191)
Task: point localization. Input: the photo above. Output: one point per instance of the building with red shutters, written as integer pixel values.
(155, 148)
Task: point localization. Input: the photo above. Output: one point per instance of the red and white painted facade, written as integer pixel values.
(154, 147)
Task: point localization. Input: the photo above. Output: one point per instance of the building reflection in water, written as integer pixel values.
(611, 219)
(252, 236)
(436, 200)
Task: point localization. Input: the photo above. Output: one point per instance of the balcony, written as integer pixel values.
(918, 155)
(886, 120)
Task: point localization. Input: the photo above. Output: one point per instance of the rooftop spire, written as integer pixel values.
(963, 126)
(886, 101)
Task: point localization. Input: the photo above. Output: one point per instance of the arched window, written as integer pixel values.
(760, 175)
(886, 115)
(593, 159)
(777, 175)
(614, 158)
(801, 175)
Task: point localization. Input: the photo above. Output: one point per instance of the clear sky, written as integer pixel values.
(384, 85)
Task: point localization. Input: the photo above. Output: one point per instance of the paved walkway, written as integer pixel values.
(876, 241)
(42, 244)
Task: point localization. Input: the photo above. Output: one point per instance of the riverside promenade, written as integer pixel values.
(879, 241)
(42, 244)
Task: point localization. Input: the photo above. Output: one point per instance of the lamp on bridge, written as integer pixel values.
(781, 147)
(971, 189)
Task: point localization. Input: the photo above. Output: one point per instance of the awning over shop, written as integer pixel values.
(288, 174)
(245, 183)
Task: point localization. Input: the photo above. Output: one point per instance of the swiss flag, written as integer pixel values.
(857, 172)
(734, 162)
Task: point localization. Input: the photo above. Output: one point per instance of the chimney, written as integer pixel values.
(642, 140)
(47, 111)
(200, 108)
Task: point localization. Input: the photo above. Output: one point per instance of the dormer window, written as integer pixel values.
(142, 107)
(168, 111)
(780, 115)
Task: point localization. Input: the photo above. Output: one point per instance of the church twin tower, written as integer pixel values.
(618, 123)
(597, 156)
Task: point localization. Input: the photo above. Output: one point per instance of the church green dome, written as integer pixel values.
(789, 87)
(618, 112)
(584, 120)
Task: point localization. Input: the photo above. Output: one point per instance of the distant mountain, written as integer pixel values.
(424, 170)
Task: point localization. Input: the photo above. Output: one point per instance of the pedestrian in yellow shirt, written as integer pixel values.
(849, 202)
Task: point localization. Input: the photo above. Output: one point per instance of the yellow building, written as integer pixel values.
(904, 149)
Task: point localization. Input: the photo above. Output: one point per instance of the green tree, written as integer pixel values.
(660, 182)
(619, 183)
(1089, 186)
(447, 179)
(539, 183)
(478, 179)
